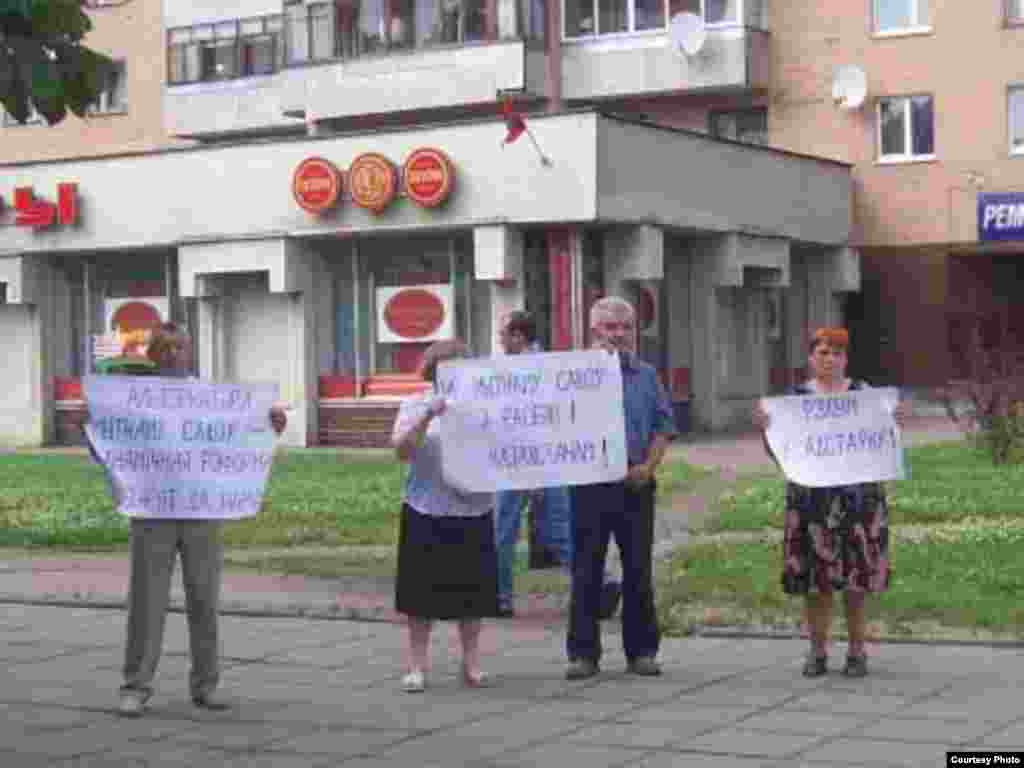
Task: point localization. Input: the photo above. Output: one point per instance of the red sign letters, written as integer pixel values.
(39, 214)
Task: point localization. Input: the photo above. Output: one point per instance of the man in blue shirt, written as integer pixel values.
(518, 335)
(624, 509)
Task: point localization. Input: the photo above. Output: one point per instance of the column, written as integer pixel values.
(498, 259)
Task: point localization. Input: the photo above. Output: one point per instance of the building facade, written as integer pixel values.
(329, 192)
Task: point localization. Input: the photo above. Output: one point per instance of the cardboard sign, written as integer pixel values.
(836, 439)
(182, 448)
(532, 421)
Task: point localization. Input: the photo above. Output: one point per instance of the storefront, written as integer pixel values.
(328, 264)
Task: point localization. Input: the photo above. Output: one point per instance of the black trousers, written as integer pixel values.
(599, 512)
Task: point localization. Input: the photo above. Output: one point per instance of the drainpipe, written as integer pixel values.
(553, 75)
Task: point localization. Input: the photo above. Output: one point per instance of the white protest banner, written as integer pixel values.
(182, 448)
(532, 421)
(838, 439)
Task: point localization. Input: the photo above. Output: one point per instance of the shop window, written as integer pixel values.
(906, 129)
(901, 16)
(748, 125)
(113, 99)
(1015, 110)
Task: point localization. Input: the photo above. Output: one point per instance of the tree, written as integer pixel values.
(43, 62)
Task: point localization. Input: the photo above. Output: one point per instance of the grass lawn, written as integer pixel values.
(969, 578)
(948, 482)
(315, 498)
(957, 527)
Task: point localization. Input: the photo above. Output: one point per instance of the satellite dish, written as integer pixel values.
(849, 87)
(687, 33)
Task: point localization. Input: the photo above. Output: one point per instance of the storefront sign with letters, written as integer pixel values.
(373, 182)
(414, 313)
(316, 185)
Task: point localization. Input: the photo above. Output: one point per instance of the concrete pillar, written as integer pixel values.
(498, 260)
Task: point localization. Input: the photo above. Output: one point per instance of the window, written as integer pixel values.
(113, 98)
(749, 12)
(906, 128)
(1015, 11)
(225, 50)
(748, 125)
(3, 293)
(1015, 109)
(311, 32)
(587, 18)
(901, 15)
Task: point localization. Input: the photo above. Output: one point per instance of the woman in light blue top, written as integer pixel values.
(447, 565)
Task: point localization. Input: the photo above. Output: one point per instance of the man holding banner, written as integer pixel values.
(835, 439)
(623, 508)
(181, 457)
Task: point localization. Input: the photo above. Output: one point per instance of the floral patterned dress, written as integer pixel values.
(835, 538)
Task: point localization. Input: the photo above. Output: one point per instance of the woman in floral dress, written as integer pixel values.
(836, 539)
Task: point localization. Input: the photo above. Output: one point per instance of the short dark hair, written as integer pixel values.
(522, 322)
(162, 337)
(438, 352)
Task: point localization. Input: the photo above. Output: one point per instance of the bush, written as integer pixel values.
(989, 404)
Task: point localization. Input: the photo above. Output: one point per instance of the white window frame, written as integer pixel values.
(1015, 128)
(908, 133)
(102, 105)
(740, 21)
(915, 27)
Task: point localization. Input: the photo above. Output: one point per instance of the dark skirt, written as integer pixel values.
(447, 566)
(836, 539)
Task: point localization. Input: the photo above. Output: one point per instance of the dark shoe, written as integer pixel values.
(856, 666)
(643, 665)
(611, 594)
(580, 669)
(211, 703)
(505, 610)
(815, 666)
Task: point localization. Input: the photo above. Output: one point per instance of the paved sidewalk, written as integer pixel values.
(325, 693)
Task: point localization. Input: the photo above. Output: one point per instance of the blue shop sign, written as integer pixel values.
(1000, 216)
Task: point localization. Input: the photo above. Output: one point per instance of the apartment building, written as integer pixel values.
(330, 192)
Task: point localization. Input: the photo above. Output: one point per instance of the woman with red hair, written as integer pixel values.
(836, 539)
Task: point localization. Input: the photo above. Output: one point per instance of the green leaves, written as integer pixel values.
(42, 62)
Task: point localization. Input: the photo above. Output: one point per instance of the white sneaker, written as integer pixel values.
(132, 703)
(414, 682)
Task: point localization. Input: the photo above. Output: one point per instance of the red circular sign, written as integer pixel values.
(428, 176)
(373, 181)
(414, 313)
(316, 185)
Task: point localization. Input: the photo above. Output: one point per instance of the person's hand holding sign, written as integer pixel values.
(278, 419)
(639, 475)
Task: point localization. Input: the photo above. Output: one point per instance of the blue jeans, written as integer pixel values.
(555, 522)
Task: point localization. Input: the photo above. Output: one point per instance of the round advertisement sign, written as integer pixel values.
(428, 176)
(316, 185)
(372, 181)
(414, 313)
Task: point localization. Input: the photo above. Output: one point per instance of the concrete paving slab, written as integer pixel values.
(865, 752)
(734, 741)
(563, 754)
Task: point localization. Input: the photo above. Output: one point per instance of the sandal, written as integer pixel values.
(856, 666)
(475, 679)
(815, 666)
(414, 682)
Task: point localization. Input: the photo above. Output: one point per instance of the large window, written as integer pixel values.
(1015, 110)
(224, 50)
(895, 16)
(589, 18)
(748, 12)
(113, 98)
(746, 125)
(906, 128)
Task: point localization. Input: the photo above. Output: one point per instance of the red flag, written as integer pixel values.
(515, 123)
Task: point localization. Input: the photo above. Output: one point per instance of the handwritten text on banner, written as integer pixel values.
(533, 421)
(182, 448)
(838, 439)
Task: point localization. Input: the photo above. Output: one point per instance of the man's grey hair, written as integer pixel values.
(610, 305)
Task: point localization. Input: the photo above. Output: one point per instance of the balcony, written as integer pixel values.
(615, 48)
(349, 57)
